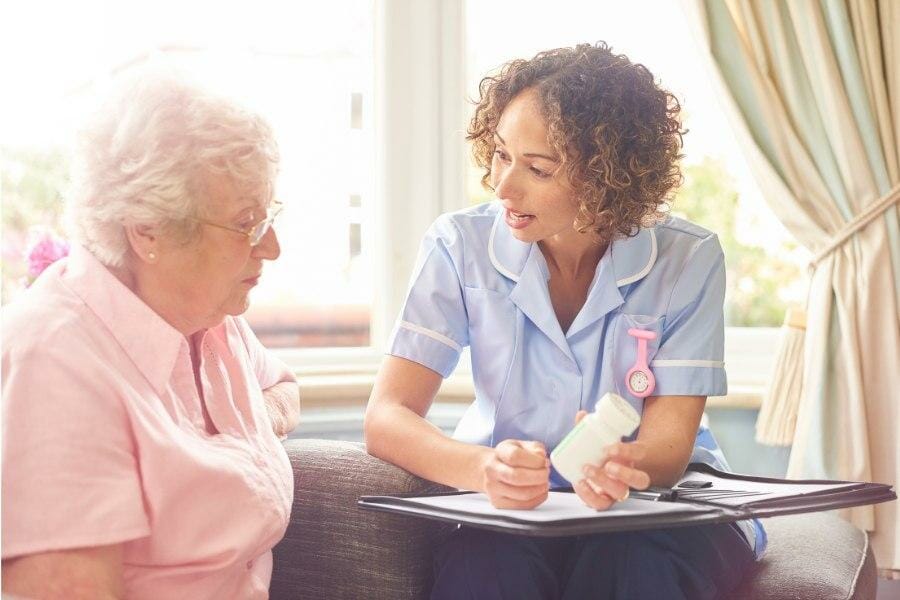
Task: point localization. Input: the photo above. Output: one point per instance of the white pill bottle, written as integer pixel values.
(613, 418)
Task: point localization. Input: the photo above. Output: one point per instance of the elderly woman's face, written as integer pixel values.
(212, 275)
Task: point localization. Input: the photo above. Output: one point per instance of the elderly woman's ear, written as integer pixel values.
(144, 241)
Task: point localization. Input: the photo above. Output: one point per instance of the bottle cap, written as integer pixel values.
(617, 413)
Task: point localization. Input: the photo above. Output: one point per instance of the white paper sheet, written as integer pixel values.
(559, 506)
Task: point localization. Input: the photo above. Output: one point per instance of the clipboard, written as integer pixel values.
(710, 496)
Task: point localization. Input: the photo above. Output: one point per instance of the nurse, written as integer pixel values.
(553, 287)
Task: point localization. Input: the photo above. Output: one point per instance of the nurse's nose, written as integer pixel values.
(506, 185)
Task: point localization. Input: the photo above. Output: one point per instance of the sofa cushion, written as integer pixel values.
(815, 556)
(332, 548)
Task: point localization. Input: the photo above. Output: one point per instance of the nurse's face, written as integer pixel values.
(525, 174)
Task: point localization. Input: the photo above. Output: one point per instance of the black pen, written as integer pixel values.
(653, 493)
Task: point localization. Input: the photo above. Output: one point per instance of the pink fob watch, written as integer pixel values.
(639, 380)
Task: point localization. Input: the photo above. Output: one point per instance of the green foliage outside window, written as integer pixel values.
(756, 275)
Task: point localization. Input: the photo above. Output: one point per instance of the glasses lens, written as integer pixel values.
(259, 231)
(263, 227)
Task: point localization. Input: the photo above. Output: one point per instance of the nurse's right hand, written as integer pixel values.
(516, 474)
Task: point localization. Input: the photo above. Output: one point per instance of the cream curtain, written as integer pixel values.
(813, 90)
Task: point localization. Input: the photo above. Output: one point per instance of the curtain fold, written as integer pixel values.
(812, 88)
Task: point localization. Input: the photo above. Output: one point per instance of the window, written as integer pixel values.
(311, 78)
(367, 98)
(765, 267)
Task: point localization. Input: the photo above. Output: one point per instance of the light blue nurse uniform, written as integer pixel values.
(476, 285)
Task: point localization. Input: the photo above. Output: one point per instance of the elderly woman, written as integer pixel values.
(141, 416)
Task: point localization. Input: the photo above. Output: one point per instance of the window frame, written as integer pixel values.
(419, 125)
(418, 83)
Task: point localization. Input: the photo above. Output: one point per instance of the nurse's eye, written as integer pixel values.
(501, 155)
(541, 174)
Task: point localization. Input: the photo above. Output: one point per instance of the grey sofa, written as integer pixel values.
(333, 549)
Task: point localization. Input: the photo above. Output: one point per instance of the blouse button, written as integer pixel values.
(249, 564)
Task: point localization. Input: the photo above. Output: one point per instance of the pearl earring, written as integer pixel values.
(151, 256)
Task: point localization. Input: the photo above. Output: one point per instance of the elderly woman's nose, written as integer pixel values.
(268, 247)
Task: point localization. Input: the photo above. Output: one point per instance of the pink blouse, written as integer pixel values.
(104, 439)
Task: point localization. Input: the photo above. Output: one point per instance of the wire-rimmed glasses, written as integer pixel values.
(254, 233)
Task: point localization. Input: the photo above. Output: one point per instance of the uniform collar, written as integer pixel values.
(631, 258)
(626, 261)
(146, 338)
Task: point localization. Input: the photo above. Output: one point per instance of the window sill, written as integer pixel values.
(353, 390)
(343, 377)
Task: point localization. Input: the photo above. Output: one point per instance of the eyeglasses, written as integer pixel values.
(255, 233)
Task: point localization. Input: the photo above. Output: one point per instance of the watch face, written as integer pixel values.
(639, 381)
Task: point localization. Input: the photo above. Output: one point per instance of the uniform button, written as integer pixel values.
(249, 564)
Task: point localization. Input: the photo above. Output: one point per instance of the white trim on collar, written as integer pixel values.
(493, 256)
(650, 262)
(640, 274)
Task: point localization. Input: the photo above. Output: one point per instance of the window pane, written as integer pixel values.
(765, 267)
(309, 75)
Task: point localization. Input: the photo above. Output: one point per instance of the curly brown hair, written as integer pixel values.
(617, 131)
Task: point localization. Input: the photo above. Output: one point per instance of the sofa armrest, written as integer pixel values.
(332, 548)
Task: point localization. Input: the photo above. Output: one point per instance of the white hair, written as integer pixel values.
(143, 158)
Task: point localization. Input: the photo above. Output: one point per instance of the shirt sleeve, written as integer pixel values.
(690, 359)
(269, 369)
(433, 326)
(70, 472)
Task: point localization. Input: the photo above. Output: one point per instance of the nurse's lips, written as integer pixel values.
(518, 220)
(251, 281)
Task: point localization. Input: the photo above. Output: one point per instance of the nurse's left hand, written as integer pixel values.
(606, 483)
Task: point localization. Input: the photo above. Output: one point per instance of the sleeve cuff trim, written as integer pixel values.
(432, 334)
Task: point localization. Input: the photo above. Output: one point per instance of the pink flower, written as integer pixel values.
(44, 250)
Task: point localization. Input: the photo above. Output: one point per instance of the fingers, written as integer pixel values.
(510, 503)
(518, 493)
(534, 447)
(580, 415)
(591, 497)
(518, 475)
(619, 464)
(529, 455)
(603, 483)
(626, 452)
(628, 476)
(521, 476)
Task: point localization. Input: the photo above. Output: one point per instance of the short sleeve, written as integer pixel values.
(433, 326)
(269, 369)
(70, 472)
(690, 359)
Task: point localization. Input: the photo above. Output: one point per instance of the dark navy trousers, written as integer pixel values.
(689, 563)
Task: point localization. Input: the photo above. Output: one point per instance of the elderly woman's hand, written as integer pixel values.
(608, 482)
(283, 406)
